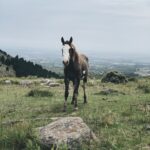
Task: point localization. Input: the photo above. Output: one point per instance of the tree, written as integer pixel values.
(2, 59)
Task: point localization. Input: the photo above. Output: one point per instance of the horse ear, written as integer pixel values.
(62, 40)
(71, 39)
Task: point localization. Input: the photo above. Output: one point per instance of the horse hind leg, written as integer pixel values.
(72, 102)
(75, 93)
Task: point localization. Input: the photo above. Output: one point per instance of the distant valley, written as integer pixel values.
(129, 65)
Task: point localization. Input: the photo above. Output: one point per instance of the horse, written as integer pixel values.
(75, 69)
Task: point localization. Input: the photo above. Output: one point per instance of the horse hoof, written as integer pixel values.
(64, 110)
(76, 108)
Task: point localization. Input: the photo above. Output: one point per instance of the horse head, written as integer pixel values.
(67, 50)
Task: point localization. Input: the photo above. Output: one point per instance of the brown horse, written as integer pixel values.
(75, 68)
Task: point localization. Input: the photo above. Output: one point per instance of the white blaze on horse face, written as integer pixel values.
(65, 53)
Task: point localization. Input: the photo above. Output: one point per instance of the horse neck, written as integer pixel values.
(76, 57)
(73, 63)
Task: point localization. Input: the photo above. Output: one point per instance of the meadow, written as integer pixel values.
(119, 114)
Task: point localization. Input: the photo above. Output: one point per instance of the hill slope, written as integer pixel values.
(15, 66)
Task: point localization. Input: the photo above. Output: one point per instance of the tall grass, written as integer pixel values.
(40, 93)
(19, 136)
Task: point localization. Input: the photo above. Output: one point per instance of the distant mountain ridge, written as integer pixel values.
(15, 66)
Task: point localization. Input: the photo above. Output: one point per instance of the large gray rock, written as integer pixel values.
(68, 131)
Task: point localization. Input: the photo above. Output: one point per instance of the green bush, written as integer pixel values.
(133, 79)
(144, 88)
(114, 77)
(40, 93)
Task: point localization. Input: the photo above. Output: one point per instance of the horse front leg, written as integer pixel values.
(85, 97)
(75, 93)
(66, 93)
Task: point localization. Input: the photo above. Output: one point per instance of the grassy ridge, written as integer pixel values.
(120, 121)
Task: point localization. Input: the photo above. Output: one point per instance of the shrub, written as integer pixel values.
(133, 79)
(91, 83)
(15, 82)
(144, 88)
(109, 119)
(110, 92)
(40, 93)
(61, 81)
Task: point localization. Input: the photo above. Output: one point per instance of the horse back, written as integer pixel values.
(84, 61)
(84, 66)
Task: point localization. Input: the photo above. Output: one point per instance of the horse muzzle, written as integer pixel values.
(66, 62)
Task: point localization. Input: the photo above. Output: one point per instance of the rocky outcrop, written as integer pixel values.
(114, 77)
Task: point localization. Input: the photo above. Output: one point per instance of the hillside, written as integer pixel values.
(15, 66)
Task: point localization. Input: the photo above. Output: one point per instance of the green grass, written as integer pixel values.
(118, 120)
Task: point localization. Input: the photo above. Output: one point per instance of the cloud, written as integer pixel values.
(97, 25)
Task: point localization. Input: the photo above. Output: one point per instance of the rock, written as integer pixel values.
(42, 84)
(54, 84)
(68, 131)
(49, 83)
(46, 81)
(26, 82)
(147, 127)
(7, 82)
(110, 92)
(114, 77)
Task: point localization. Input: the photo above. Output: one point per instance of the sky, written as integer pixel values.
(97, 26)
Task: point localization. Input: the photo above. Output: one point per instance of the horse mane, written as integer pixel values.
(75, 55)
(79, 58)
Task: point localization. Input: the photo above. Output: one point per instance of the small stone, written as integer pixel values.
(54, 84)
(7, 82)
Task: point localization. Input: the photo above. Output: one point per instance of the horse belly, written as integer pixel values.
(71, 76)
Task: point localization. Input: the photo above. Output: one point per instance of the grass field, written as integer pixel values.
(120, 118)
